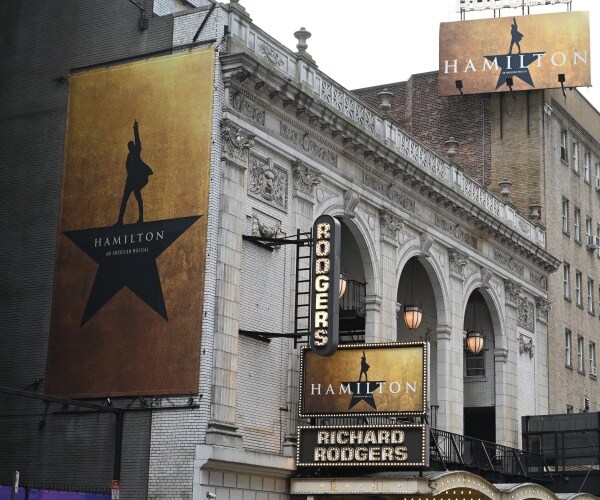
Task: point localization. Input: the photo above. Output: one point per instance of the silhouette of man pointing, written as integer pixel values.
(137, 176)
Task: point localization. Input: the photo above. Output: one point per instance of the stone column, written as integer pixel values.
(306, 181)
(389, 227)
(450, 351)
(222, 428)
(505, 357)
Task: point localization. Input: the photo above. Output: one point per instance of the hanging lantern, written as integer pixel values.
(412, 316)
(343, 284)
(474, 342)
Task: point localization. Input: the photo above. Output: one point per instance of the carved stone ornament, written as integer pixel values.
(526, 345)
(486, 275)
(305, 178)
(458, 262)
(268, 181)
(426, 242)
(266, 230)
(543, 307)
(351, 200)
(512, 290)
(243, 105)
(525, 314)
(390, 224)
(236, 142)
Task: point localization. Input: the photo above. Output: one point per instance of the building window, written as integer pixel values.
(580, 354)
(586, 166)
(563, 145)
(577, 225)
(598, 176)
(592, 358)
(565, 216)
(578, 297)
(575, 156)
(475, 364)
(589, 239)
(590, 297)
(568, 348)
(567, 280)
(597, 242)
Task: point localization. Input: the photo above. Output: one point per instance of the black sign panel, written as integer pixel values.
(363, 446)
(324, 335)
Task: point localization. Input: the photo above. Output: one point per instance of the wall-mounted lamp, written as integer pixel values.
(459, 86)
(474, 338)
(561, 80)
(474, 342)
(413, 314)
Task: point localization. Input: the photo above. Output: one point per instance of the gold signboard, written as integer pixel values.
(127, 308)
(515, 53)
(365, 379)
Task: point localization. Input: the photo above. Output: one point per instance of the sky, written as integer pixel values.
(362, 44)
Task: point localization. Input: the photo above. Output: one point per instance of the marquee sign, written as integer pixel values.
(515, 53)
(324, 335)
(363, 446)
(365, 379)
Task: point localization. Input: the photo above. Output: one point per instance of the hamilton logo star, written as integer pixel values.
(363, 391)
(126, 257)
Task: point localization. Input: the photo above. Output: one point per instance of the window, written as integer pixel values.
(580, 354)
(475, 364)
(575, 156)
(590, 296)
(592, 347)
(598, 236)
(563, 145)
(565, 216)
(577, 225)
(569, 409)
(567, 280)
(598, 175)
(589, 240)
(568, 348)
(586, 166)
(578, 297)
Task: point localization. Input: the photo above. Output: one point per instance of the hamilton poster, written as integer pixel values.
(365, 379)
(128, 292)
(515, 53)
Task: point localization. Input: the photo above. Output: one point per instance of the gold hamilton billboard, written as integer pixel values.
(515, 53)
(365, 379)
(128, 293)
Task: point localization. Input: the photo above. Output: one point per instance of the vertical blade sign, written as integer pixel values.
(324, 334)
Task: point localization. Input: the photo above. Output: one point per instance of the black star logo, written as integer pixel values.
(515, 65)
(363, 391)
(126, 257)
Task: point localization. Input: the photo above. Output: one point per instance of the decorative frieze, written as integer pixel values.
(538, 280)
(455, 231)
(525, 314)
(305, 178)
(509, 263)
(458, 261)
(246, 107)
(268, 182)
(271, 55)
(308, 144)
(389, 190)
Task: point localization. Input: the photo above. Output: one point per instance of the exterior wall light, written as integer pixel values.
(343, 284)
(474, 342)
(413, 316)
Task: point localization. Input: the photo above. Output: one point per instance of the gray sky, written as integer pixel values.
(360, 43)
